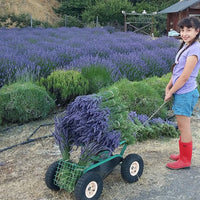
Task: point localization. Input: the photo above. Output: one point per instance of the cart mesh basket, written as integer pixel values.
(67, 175)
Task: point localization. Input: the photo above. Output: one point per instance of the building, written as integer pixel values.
(179, 10)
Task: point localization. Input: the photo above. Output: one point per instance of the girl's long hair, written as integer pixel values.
(189, 22)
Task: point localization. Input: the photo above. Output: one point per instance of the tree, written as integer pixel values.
(108, 11)
(151, 5)
(135, 1)
(73, 7)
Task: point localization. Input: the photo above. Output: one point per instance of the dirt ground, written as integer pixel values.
(22, 169)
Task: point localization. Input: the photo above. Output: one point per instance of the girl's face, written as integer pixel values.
(188, 34)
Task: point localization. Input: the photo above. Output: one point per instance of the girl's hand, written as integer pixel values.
(168, 96)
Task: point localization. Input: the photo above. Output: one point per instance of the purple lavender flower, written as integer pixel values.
(37, 52)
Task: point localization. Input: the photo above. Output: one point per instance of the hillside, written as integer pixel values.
(39, 9)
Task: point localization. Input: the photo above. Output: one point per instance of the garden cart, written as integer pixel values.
(87, 182)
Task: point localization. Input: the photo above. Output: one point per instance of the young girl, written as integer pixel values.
(183, 87)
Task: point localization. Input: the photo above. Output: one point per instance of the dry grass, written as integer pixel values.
(39, 9)
(24, 167)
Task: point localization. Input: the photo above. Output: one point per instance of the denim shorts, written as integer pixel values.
(184, 103)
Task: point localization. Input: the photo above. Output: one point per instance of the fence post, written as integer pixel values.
(97, 21)
(31, 21)
(65, 20)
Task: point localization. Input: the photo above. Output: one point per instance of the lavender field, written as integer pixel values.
(36, 52)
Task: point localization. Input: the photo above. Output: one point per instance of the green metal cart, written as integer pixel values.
(87, 181)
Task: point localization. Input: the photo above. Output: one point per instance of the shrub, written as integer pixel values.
(65, 85)
(21, 102)
(159, 84)
(21, 21)
(140, 97)
(98, 77)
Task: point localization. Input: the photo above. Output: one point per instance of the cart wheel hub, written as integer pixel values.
(134, 168)
(91, 189)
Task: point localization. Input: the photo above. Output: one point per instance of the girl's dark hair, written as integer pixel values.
(189, 22)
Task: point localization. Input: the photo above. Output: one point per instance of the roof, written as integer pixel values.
(179, 6)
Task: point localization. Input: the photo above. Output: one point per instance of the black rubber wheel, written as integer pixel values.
(89, 186)
(50, 176)
(132, 168)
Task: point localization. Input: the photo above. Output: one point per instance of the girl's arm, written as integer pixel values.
(169, 86)
(189, 67)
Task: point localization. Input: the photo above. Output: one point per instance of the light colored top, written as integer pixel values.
(191, 84)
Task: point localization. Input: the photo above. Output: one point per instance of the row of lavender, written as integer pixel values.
(37, 52)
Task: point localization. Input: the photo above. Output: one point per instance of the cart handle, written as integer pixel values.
(124, 147)
(122, 142)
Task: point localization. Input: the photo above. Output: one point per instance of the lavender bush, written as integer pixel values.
(153, 128)
(22, 102)
(36, 52)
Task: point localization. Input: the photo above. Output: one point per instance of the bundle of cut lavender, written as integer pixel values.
(98, 122)
(95, 123)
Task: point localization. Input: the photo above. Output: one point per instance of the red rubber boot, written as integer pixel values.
(176, 156)
(185, 157)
